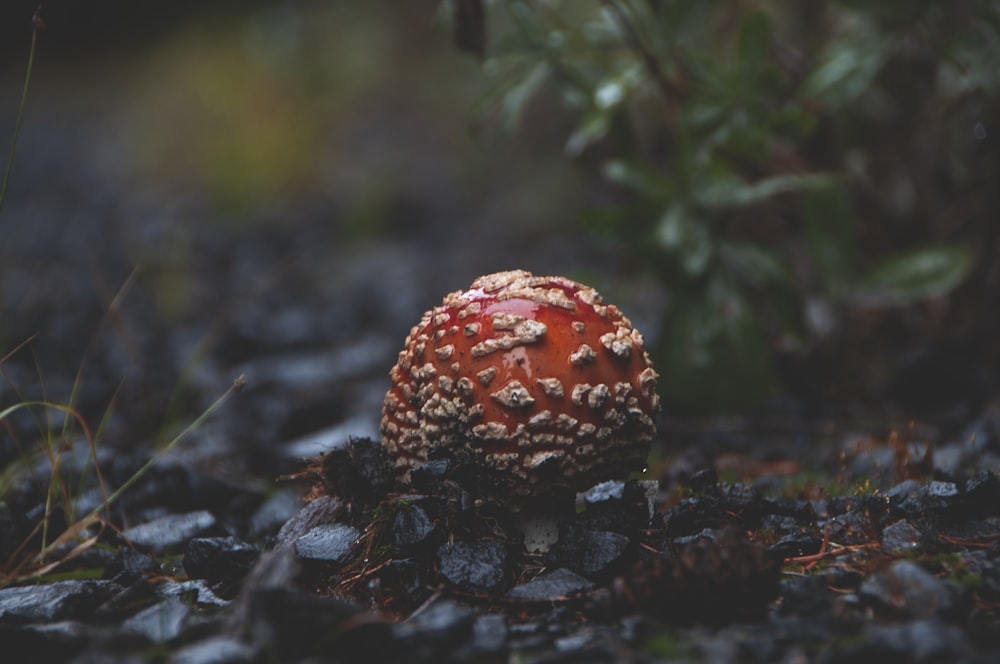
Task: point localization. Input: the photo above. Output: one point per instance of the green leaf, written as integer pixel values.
(917, 275)
(729, 191)
(635, 176)
(845, 70)
(518, 96)
(592, 128)
(829, 228)
(686, 238)
(755, 264)
(753, 45)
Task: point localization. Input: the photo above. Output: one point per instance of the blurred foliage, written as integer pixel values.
(781, 166)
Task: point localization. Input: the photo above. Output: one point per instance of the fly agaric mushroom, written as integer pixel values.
(532, 377)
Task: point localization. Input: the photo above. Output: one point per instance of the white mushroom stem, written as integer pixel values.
(539, 523)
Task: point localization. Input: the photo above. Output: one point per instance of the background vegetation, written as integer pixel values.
(796, 198)
(814, 182)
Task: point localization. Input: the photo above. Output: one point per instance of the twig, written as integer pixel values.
(670, 91)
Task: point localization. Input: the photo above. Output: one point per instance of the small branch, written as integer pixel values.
(667, 87)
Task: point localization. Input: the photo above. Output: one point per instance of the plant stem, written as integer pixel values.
(37, 26)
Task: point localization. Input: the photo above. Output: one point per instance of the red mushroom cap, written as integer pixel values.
(534, 375)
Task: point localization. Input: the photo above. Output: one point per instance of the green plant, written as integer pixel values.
(81, 532)
(37, 26)
(784, 168)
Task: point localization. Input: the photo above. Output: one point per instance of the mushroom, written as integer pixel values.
(533, 378)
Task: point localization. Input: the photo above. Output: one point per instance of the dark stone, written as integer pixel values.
(800, 510)
(983, 493)
(621, 507)
(429, 475)
(703, 479)
(442, 621)
(480, 566)
(918, 642)
(359, 472)
(708, 580)
(605, 491)
(854, 527)
(331, 542)
(215, 559)
(62, 600)
(791, 546)
(160, 623)
(489, 635)
(322, 511)
(555, 585)
(274, 512)
(300, 625)
(898, 493)
(135, 565)
(936, 497)
(412, 526)
(716, 507)
(907, 589)
(903, 537)
(170, 532)
(592, 553)
(433, 634)
(805, 596)
(214, 650)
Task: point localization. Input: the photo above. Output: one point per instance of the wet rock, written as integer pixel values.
(805, 596)
(719, 505)
(797, 544)
(985, 564)
(170, 532)
(903, 537)
(214, 650)
(621, 507)
(322, 511)
(431, 634)
(331, 543)
(898, 493)
(605, 491)
(161, 622)
(703, 479)
(196, 593)
(854, 527)
(358, 472)
(935, 497)
(920, 641)
(135, 565)
(489, 635)
(555, 585)
(412, 526)
(480, 566)
(274, 512)
(908, 590)
(708, 580)
(62, 600)
(300, 624)
(429, 476)
(592, 553)
(219, 559)
(983, 493)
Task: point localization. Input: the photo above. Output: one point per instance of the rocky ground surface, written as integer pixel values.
(760, 540)
(788, 536)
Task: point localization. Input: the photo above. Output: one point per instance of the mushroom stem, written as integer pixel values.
(539, 522)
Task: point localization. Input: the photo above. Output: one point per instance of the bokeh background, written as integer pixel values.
(795, 201)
